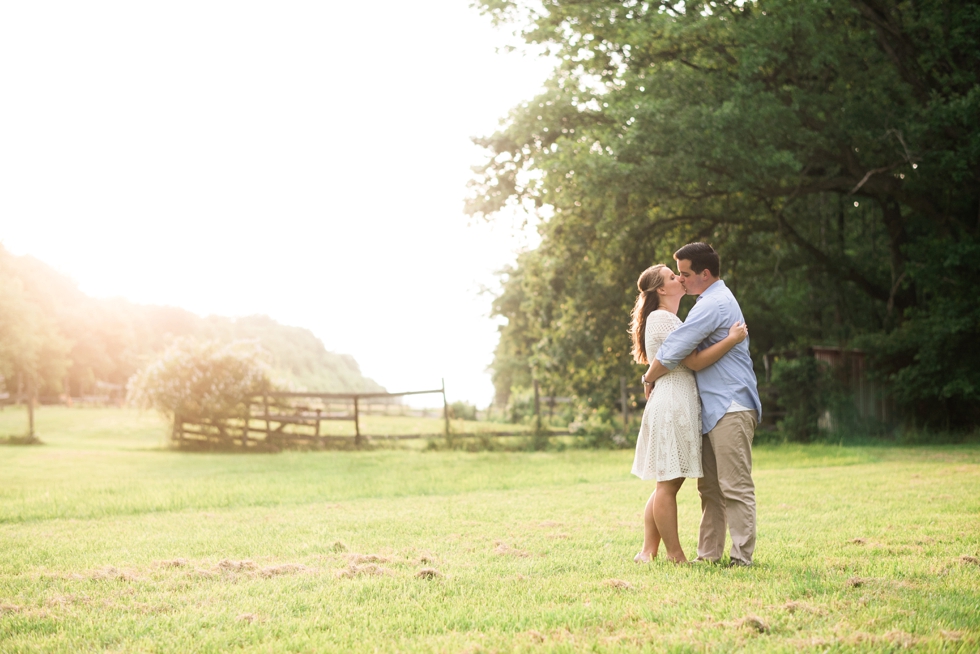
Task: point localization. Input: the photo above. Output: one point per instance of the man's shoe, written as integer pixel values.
(739, 563)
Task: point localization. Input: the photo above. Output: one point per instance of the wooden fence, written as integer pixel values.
(281, 420)
(286, 420)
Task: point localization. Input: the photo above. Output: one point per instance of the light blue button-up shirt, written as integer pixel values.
(731, 378)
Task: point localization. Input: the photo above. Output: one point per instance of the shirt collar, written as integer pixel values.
(716, 286)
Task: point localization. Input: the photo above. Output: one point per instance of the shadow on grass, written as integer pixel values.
(21, 440)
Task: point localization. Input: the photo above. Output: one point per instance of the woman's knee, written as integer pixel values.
(670, 486)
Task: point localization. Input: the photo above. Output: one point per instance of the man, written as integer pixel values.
(730, 406)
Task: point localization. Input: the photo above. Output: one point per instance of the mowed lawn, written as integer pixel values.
(109, 542)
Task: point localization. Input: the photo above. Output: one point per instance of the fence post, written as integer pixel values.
(537, 407)
(245, 418)
(445, 413)
(265, 413)
(625, 400)
(357, 425)
(30, 408)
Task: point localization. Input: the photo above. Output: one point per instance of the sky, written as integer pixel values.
(303, 160)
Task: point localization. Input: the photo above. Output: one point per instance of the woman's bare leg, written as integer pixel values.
(651, 536)
(665, 516)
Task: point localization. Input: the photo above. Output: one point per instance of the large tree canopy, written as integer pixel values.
(829, 149)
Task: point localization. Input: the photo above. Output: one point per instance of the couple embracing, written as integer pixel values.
(702, 407)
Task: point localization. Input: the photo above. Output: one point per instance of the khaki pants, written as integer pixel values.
(726, 489)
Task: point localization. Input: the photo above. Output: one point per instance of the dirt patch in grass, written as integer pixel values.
(428, 573)
(813, 642)
(204, 574)
(31, 612)
(230, 565)
(194, 570)
(250, 568)
(895, 638)
(67, 600)
(969, 560)
(369, 570)
(500, 547)
(172, 563)
(750, 622)
(283, 569)
(801, 607)
(359, 559)
(892, 549)
(620, 584)
(146, 608)
(247, 618)
(753, 622)
(113, 573)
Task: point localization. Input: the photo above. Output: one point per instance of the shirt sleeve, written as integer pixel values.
(700, 323)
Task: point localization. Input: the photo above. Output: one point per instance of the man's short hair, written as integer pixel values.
(701, 256)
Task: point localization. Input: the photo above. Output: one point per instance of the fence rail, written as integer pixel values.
(287, 419)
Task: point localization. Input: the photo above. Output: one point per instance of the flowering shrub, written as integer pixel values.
(207, 380)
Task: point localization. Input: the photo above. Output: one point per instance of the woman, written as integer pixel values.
(668, 447)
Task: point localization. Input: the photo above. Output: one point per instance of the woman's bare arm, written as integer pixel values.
(701, 360)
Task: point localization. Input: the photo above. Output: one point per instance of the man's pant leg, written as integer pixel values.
(711, 535)
(731, 442)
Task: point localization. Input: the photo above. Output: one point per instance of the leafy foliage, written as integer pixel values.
(208, 380)
(462, 410)
(89, 340)
(828, 149)
(31, 349)
(803, 386)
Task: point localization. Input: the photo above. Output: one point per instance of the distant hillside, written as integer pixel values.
(108, 340)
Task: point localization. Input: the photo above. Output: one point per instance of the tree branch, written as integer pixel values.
(842, 269)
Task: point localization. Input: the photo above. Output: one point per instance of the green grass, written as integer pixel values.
(110, 542)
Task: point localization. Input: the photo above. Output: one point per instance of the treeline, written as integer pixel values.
(65, 341)
(830, 150)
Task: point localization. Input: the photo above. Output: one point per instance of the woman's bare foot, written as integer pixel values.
(643, 557)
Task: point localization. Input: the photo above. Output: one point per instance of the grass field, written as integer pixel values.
(109, 542)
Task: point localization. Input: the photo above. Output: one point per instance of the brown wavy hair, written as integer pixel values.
(646, 302)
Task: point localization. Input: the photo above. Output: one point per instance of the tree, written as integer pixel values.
(33, 355)
(829, 149)
(110, 339)
(195, 380)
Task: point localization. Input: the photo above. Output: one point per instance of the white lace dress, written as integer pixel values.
(669, 443)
